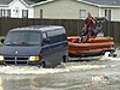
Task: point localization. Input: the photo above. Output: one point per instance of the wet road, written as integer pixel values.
(103, 74)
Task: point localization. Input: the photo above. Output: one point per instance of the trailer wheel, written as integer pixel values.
(65, 58)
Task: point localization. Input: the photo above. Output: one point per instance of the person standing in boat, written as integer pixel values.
(89, 25)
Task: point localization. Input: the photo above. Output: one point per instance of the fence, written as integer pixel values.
(72, 26)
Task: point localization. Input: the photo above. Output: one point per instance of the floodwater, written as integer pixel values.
(103, 74)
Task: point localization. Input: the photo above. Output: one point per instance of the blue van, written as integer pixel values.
(40, 45)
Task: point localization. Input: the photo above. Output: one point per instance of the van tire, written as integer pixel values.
(65, 58)
(42, 65)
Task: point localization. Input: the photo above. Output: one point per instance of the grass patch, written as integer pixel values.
(0, 39)
(117, 45)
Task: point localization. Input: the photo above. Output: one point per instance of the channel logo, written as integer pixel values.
(101, 79)
(105, 78)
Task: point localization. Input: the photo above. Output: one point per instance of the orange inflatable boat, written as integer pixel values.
(93, 47)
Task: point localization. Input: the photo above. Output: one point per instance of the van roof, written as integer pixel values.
(41, 28)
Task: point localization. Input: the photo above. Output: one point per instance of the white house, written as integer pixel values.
(16, 9)
(77, 9)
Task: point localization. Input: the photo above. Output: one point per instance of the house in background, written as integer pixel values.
(16, 9)
(77, 9)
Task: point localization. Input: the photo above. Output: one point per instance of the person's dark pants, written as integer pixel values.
(89, 33)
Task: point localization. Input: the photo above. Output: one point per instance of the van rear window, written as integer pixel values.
(55, 32)
(57, 36)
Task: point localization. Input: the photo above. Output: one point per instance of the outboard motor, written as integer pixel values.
(99, 26)
(98, 29)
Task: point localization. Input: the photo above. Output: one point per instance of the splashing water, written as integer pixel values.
(35, 70)
(28, 70)
(111, 58)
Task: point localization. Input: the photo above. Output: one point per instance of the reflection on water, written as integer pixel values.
(59, 81)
